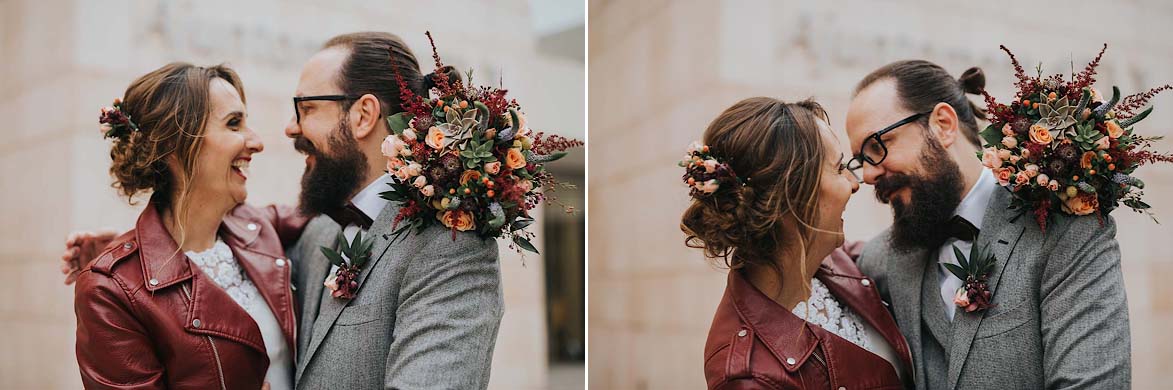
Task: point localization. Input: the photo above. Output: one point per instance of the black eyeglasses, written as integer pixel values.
(873, 150)
(333, 98)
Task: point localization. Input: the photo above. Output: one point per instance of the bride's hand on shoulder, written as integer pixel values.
(80, 248)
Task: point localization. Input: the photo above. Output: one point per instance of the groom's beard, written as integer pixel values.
(934, 197)
(333, 178)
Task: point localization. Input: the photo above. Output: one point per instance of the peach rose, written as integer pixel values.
(428, 190)
(990, 159)
(1015, 159)
(331, 283)
(393, 164)
(1114, 129)
(493, 168)
(414, 169)
(710, 166)
(1021, 178)
(1040, 135)
(1042, 179)
(1053, 185)
(1103, 143)
(1007, 130)
(1085, 161)
(420, 182)
(709, 187)
(409, 134)
(1031, 170)
(1010, 142)
(1004, 175)
(391, 146)
(435, 138)
(1004, 154)
(514, 159)
(402, 173)
(468, 176)
(1081, 205)
(694, 147)
(457, 219)
(525, 185)
(961, 299)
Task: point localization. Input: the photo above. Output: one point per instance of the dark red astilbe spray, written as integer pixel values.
(446, 86)
(409, 210)
(409, 101)
(545, 144)
(1025, 84)
(1041, 213)
(493, 98)
(1127, 107)
(1087, 77)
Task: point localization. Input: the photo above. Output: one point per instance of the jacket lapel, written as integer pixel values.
(330, 308)
(846, 284)
(1002, 241)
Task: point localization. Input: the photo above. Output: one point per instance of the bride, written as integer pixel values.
(769, 189)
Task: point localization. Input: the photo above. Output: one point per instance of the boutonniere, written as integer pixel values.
(974, 295)
(344, 283)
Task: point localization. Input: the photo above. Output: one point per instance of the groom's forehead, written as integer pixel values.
(320, 73)
(872, 108)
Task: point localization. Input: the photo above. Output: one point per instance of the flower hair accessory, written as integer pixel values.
(706, 173)
(114, 123)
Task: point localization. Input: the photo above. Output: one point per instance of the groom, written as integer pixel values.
(427, 308)
(1060, 317)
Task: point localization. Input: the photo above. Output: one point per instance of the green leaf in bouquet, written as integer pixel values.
(333, 256)
(525, 244)
(521, 223)
(399, 122)
(1136, 204)
(992, 136)
(960, 257)
(956, 271)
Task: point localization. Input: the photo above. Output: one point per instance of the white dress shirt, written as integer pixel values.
(973, 209)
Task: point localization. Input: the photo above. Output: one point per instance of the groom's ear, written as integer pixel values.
(365, 116)
(944, 125)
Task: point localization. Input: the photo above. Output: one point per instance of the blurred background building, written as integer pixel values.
(661, 70)
(64, 59)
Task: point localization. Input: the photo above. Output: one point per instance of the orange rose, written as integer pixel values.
(990, 158)
(1083, 204)
(457, 219)
(435, 138)
(514, 159)
(1040, 135)
(1004, 175)
(1085, 161)
(469, 176)
(1114, 130)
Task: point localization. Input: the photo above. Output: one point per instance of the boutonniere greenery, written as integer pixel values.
(344, 282)
(974, 295)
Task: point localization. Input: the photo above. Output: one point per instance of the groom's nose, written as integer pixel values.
(292, 129)
(872, 172)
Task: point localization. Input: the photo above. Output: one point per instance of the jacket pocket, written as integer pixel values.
(358, 315)
(1005, 321)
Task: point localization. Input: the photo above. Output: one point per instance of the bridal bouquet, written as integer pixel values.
(465, 157)
(1061, 147)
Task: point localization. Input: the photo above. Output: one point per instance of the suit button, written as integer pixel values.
(252, 226)
(153, 282)
(280, 262)
(865, 282)
(790, 361)
(741, 333)
(195, 323)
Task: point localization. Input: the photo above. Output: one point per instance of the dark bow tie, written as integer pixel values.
(350, 215)
(961, 229)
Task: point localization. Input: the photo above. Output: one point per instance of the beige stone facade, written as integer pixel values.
(661, 70)
(63, 59)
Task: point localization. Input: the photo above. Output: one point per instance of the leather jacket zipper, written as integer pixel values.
(215, 351)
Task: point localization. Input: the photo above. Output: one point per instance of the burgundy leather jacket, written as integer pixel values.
(754, 343)
(149, 319)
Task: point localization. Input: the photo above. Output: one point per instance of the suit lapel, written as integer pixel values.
(1002, 236)
(330, 308)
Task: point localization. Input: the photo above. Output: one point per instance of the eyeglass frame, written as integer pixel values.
(857, 161)
(332, 98)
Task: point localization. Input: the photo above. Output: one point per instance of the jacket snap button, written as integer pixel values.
(252, 226)
(865, 282)
(790, 361)
(280, 262)
(153, 282)
(842, 388)
(195, 323)
(128, 245)
(741, 333)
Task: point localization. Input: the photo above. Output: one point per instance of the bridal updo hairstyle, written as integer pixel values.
(777, 151)
(170, 105)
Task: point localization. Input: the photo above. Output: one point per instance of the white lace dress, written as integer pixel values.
(219, 264)
(824, 310)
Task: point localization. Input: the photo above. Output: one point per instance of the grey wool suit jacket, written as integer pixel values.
(425, 315)
(1061, 316)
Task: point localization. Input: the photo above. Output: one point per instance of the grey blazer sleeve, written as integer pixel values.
(1084, 310)
(450, 308)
